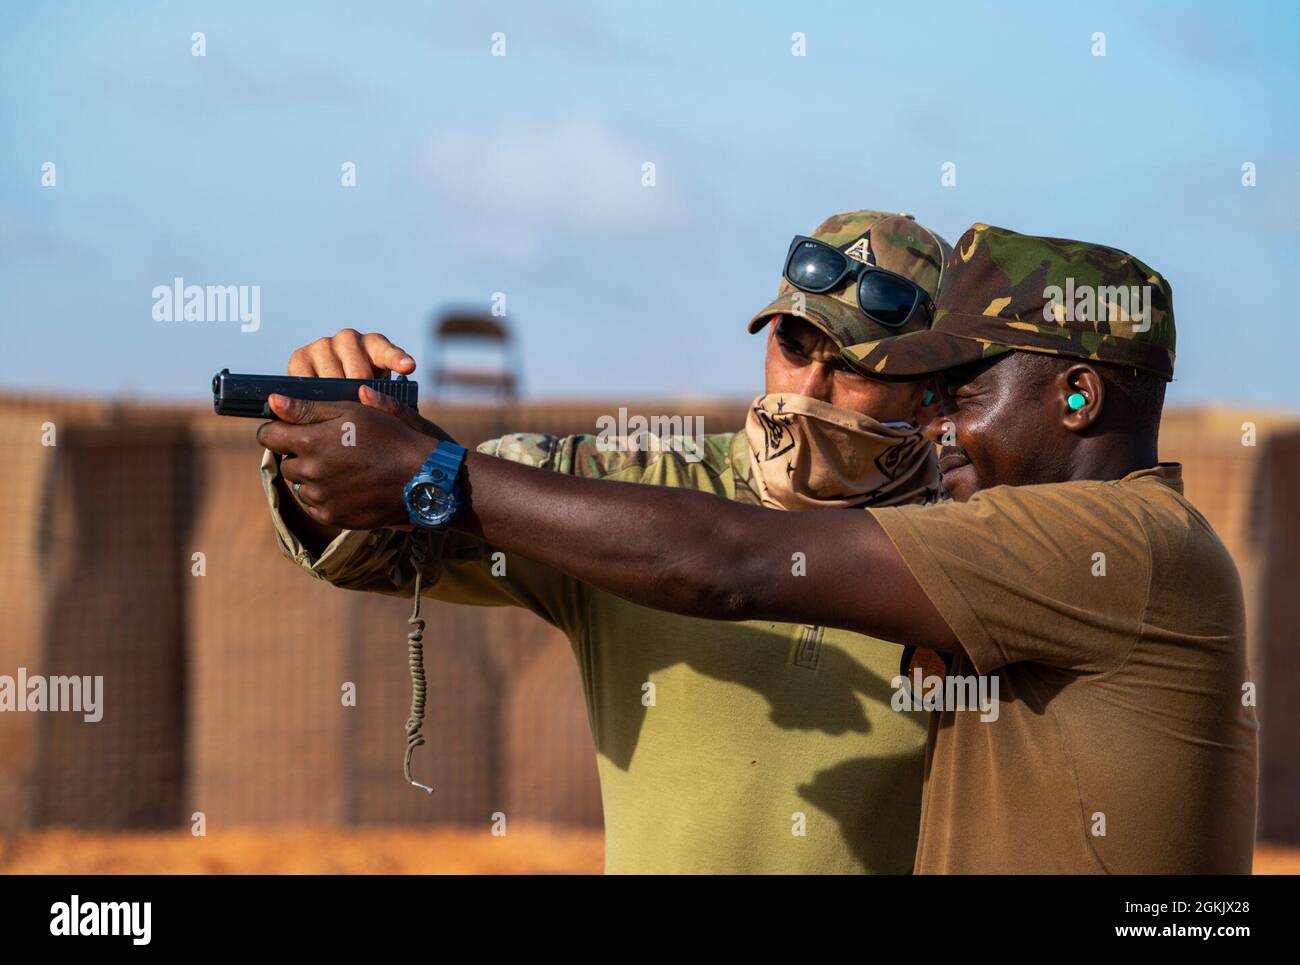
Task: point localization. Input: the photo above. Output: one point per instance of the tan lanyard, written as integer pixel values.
(415, 658)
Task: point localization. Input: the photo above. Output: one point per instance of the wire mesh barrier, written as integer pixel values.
(113, 609)
(21, 601)
(142, 552)
(1275, 531)
(224, 673)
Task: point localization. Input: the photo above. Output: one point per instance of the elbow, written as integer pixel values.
(717, 580)
(735, 604)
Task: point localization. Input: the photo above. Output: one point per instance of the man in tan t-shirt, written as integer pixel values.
(1091, 717)
(1112, 617)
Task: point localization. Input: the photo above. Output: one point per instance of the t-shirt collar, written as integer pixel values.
(1168, 473)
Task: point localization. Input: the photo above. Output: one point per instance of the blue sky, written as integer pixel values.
(522, 173)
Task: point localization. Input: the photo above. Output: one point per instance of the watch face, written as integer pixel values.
(430, 501)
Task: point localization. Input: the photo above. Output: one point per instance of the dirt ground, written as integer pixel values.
(523, 850)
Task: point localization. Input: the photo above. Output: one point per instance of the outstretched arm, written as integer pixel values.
(705, 556)
(668, 549)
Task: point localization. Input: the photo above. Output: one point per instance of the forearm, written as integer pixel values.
(670, 549)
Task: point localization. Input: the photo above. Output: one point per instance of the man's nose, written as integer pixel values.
(816, 381)
(936, 428)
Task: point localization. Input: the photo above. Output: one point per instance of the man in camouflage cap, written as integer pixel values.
(822, 436)
(1090, 718)
(892, 242)
(1044, 305)
(1012, 292)
(764, 747)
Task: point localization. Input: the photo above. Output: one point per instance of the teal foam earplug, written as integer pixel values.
(1076, 401)
(927, 398)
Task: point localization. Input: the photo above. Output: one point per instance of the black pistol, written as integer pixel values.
(246, 395)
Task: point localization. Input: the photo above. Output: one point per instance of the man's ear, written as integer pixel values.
(1082, 396)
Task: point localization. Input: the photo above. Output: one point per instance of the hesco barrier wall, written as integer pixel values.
(223, 691)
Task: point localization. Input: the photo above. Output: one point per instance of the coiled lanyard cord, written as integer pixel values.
(415, 659)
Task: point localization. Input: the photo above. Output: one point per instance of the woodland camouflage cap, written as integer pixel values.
(1004, 291)
(894, 242)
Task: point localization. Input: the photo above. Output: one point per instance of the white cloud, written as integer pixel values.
(541, 177)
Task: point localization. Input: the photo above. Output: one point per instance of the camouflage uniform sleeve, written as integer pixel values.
(459, 568)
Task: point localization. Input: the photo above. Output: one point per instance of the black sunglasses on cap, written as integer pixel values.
(884, 297)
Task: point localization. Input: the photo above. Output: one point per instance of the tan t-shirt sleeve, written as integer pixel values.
(1055, 574)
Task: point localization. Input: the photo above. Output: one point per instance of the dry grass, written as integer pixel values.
(524, 850)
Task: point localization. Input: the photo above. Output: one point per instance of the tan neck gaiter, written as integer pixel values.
(808, 454)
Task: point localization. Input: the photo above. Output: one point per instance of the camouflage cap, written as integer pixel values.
(1005, 291)
(894, 242)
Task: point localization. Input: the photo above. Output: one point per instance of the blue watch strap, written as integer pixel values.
(448, 458)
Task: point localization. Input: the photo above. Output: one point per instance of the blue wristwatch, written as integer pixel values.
(433, 494)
